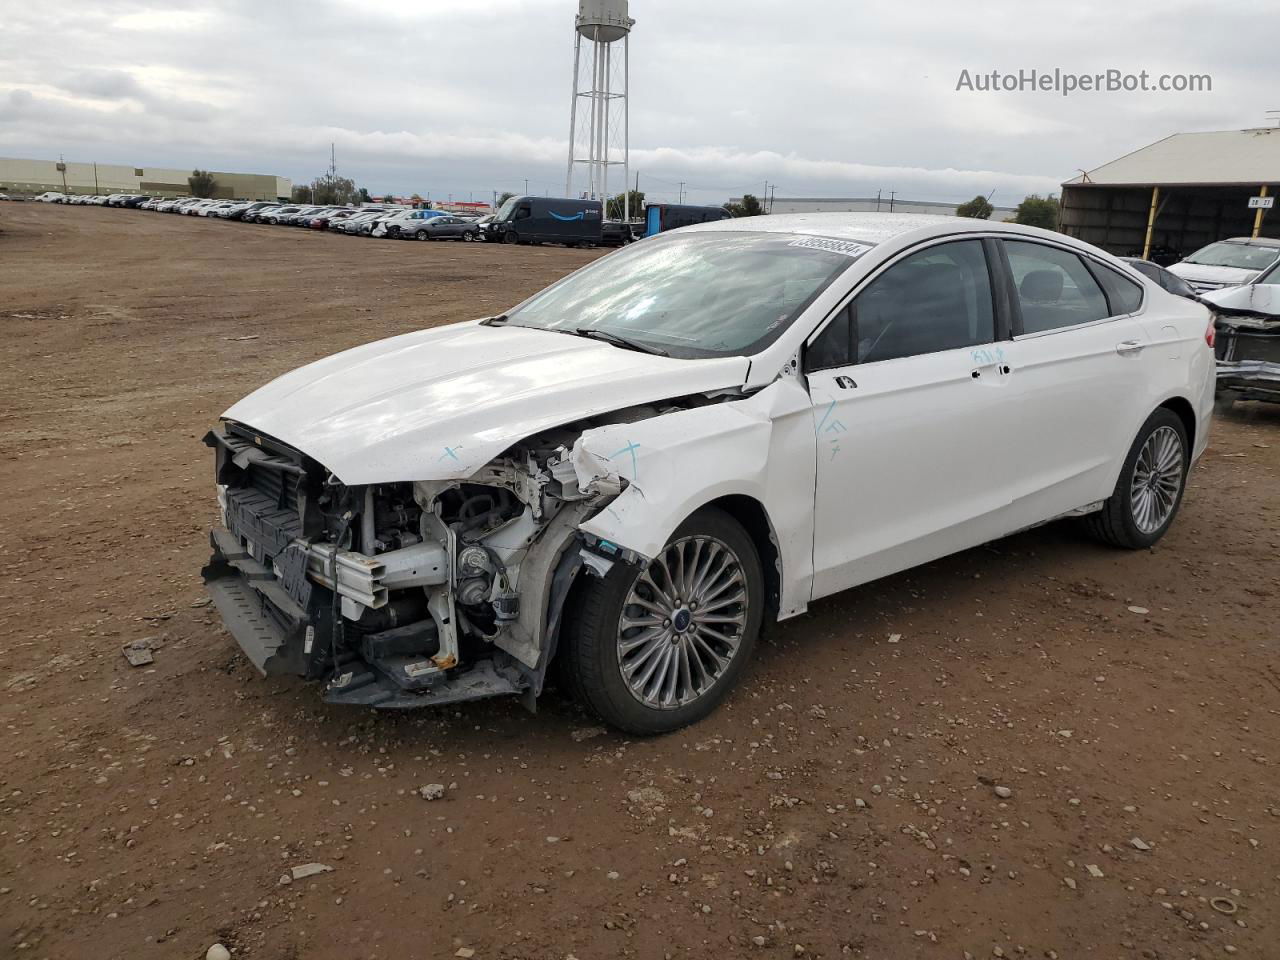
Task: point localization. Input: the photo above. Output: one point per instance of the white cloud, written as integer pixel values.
(457, 96)
(163, 20)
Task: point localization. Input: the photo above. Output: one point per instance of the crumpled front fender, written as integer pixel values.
(762, 447)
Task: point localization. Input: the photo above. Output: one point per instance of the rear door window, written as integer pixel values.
(1123, 295)
(1053, 287)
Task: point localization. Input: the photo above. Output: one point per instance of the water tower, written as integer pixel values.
(600, 103)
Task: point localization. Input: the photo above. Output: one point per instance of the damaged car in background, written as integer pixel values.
(626, 475)
(1247, 319)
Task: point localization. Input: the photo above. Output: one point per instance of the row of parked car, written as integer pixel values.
(370, 220)
(573, 222)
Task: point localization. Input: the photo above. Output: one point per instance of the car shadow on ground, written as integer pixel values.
(1252, 412)
(924, 603)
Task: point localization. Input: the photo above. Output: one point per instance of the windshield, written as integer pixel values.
(1245, 256)
(504, 211)
(694, 295)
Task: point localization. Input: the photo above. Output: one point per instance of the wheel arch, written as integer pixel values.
(750, 514)
(1181, 407)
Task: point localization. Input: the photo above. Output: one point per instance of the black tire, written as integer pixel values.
(510, 237)
(1115, 523)
(590, 659)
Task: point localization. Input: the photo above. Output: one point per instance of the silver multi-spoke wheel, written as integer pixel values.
(683, 622)
(1157, 479)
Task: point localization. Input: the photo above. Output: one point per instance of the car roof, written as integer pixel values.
(868, 228)
(1253, 241)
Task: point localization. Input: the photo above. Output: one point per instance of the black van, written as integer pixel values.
(660, 217)
(547, 220)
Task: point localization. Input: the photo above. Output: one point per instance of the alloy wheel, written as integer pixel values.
(683, 622)
(1157, 479)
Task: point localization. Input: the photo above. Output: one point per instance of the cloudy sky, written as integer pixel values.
(465, 97)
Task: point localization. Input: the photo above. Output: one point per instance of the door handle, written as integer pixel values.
(1129, 346)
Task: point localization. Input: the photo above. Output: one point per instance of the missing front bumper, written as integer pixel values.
(276, 632)
(284, 637)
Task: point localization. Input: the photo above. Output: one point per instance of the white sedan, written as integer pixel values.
(628, 473)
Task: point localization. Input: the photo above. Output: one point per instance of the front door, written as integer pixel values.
(909, 397)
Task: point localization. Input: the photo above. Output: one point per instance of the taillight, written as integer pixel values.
(1210, 334)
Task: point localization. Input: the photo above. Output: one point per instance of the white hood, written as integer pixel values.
(1201, 273)
(438, 404)
(1253, 298)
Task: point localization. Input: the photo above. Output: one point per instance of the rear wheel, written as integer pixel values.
(654, 649)
(469, 236)
(1149, 490)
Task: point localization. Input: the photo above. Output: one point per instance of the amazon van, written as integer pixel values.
(547, 220)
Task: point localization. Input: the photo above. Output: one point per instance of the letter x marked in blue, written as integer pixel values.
(630, 448)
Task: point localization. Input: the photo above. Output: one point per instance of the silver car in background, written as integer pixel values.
(442, 228)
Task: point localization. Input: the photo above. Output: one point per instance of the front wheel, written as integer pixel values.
(651, 649)
(1149, 491)
(421, 235)
(510, 237)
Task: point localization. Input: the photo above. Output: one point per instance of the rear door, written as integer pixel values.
(909, 407)
(1077, 376)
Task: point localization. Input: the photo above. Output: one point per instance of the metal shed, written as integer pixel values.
(1168, 199)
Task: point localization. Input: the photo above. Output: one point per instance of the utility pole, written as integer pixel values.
(878, 201)
(95, 177)
(892, 194)
(772, 190)
(62, 165)
(680, 196)
(526, 186)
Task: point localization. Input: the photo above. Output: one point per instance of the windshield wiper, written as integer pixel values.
(595, 333)
(497, 321)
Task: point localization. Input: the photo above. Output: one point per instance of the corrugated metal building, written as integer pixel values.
(868, 205)
(1176, 195)
(21, 176)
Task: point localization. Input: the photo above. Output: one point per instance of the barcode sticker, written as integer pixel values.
(850, 248)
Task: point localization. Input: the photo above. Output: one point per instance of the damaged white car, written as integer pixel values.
(628, 473)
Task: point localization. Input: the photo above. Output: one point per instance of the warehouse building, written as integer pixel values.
(29, 177)
(1171, 198)
(869, 205)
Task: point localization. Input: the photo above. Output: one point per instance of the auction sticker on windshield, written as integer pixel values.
(849, 248)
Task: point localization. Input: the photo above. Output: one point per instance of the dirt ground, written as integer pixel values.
(842, 803)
